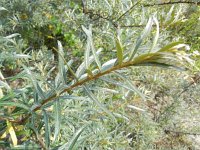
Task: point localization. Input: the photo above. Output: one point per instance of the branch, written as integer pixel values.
(167, 131)
(130, 9)
(140, 26)
(77, 84)
(171, 3)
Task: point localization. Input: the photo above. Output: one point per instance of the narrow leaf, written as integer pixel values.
(72, 142)
(4, 84)
(46, 125)
(128, 87)
(12, 35)
(37, 87)
(141, 38)
(61, 67)
(82, 68)
(2, 8)
(169, 46)
(133, 87)
(90, 46)
(157, 34)
(109, 64)
(93, 98)
(57, 111)
(169, 14)
(119, 50)
(135, 108)
(17, 104)
(12, 133)
(62, 62)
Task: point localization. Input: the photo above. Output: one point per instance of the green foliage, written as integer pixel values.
(190, 26)
(95, 75)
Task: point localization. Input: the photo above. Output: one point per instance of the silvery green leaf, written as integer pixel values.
(39, 90)
(34, 106)
(84, 76)
(12, 35)
(17, 104)
(72, 142)
(57, 112)
(109, 64)
(135, 108)
(157, 34)
(141, 38)
(61, 68)
(79, 98)
(121, 116)
(22, 56)
(37, 87)
(88, 32)
(105, 89)
(95, 56)
(126, 86)
(81, 69)
(90, 46)
(169, 14)
(96, 101)
(129, 84)
(2, 8)
(4, 84)
(46, 126)
(120, 50)
(50, 71)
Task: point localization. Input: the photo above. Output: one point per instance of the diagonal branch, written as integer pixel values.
(145, 59)
(167, 131)
(171, 3)
(129, 10)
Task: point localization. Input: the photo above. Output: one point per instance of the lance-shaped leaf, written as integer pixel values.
(22, 56)
(4, 84)
(46, 126)
(62, 62)
(17, 104)
(93, 98)
(129, 83)
(141, 38)
(72, 142)
(90, 46)
(12, 36)
(12, 133)
(82, 67)
(157, 34)
(136, 108)
(57, 112)
(61, 66)
(119, 50)
(35, 83)
(126, 86)
(169, 14)
(169, 46)
(109, 64)
(2, 8)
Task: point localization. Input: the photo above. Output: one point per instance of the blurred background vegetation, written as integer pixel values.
(45, 48)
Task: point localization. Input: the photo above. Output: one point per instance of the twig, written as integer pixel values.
(116, 22)
(171, 3)
(196, 79)
(92, 13)
(130, 9)
(180, 132)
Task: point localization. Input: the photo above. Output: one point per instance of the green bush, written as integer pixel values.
(95, 75)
